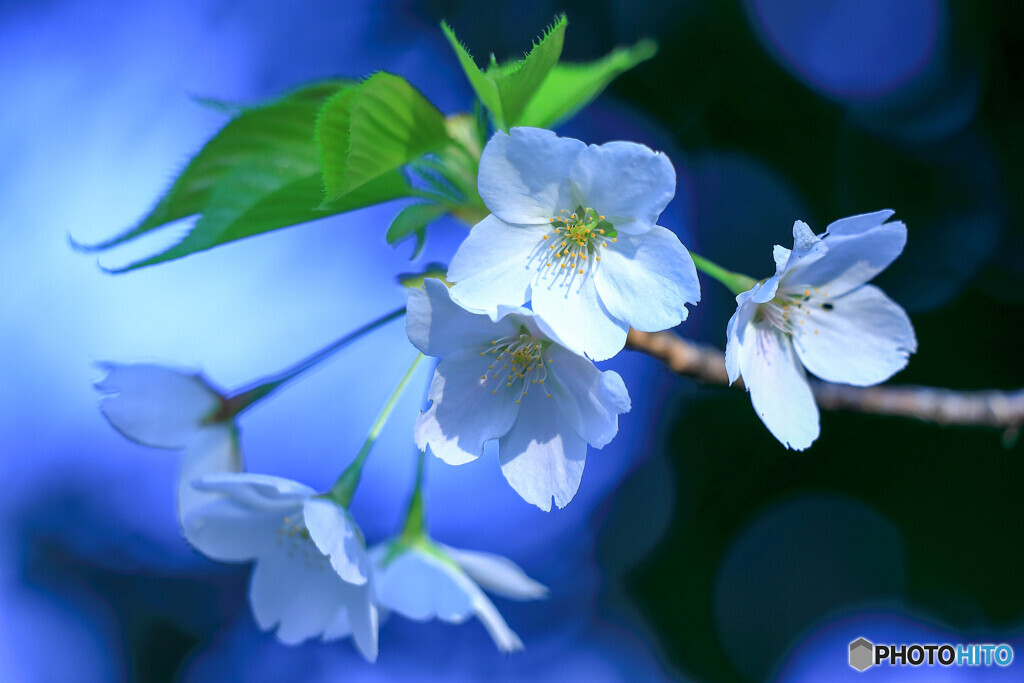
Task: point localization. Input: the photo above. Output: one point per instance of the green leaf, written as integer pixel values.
(280, 132)
(507, 89)
(520, 80)
(485, 88)
(254, 200)
(389, 122)
(413, 221)
(570, 87)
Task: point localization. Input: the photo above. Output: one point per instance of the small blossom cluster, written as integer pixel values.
(568, 261)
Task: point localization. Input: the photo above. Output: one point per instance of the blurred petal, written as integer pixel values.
(629, 184)
(335, 534)
(358, 619)
(438, 326)
(542, 457)
(295, 590)
(504, 637)
(493, 265)
(465, 412)
(647, 279)
(498, 575)
(213, 450)
(589, 399)
(862, 338)
(778, 387)
(154, 405)
(257, 491)
(420, 586)
(523, 175)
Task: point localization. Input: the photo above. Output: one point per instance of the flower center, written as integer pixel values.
(576, 240)
(293, 537)
(791, 309)
(517, 362)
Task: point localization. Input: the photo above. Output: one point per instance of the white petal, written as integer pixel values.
(257, 491)
(570, 310)
(360, 620)
(336, 535)
(420, 586)
(365, 622)
(154, 405)
(778, 387)
(808, 248)
(629, 184)
(589, 399)
(850, 260)
(854, 225)
(295, 589)
(523, 176)
(863, 339)
(465, 411)
(213, 450)
(647, 279)
(542, 457)
(495, 264)
(504, 637)
(438, 326)
(245, 515)
(498, 575)
(736, 330)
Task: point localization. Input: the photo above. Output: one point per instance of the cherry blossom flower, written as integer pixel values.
(506, 378)
(165, 408)
(312, 573)
(817, 313)
(573, 230)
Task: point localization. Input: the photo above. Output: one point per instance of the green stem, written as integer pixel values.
(247, 397)
(735, 282)
(345, 486)
(415, 522)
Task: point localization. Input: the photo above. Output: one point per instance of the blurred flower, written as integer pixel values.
(424, 580)
(573, 230)
(161, 407)
(480, 392)
(817, 313)
(312, 574)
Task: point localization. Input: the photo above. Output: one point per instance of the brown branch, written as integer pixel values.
(990, 408)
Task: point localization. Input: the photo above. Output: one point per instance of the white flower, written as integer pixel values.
(506, 379)
(424, 580)
(817, 313)
(573, 230)
(165, 408)
(312, 573)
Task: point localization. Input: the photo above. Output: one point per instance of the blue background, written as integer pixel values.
(696, 547)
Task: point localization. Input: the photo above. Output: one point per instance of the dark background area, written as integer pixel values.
(698, 547)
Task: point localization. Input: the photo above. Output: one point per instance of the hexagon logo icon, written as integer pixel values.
(862, 654)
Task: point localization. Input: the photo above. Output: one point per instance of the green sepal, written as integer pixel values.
(435, 270)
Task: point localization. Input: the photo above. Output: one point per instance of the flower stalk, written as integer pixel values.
(246, 398)
(415, 521)
(736, 283)
(345, 487)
